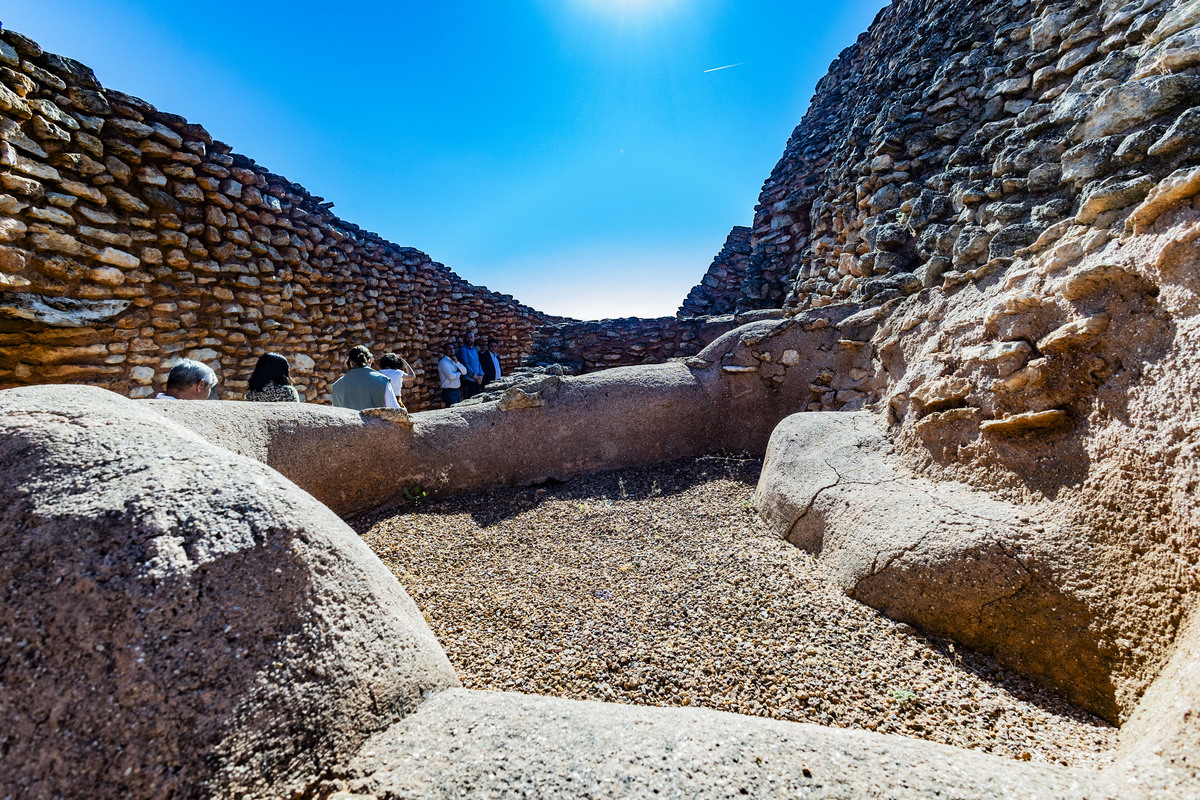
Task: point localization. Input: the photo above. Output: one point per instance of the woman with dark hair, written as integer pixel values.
(271, 382)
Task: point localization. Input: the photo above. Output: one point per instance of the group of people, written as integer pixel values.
(463, 373)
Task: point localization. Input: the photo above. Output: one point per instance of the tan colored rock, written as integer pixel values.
(58, 243)
(940, 393)
(1054, 419)
(1074, 334)
(516, 398)
(504, 744)
(943, 557)
(107, 276)
(938, 420)
(1032, 377)
(11, 229)
(117, 258)
(1123, 106)
(1112, 196)
(1092, 279)
(1180, 185)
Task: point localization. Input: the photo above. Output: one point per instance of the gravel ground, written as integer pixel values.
(660, 586)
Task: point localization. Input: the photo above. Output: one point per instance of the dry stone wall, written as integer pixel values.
(130, 238)
(954, 134)
(721, 287)
(601, 344)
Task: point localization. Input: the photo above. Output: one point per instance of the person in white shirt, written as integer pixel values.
(450, 372)
(189, 380)
(399, 372)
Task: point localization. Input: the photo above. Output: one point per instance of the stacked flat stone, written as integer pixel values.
(601, 344)
(718, 292)
(955, 134)
(129, 238)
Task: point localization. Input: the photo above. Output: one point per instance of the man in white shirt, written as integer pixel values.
(188, 380)
(450, 372)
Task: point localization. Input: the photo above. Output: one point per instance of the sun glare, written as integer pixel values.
(629, 9)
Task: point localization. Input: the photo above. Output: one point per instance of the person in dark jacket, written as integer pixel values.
(489, 360)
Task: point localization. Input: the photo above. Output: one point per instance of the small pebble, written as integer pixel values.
(661, 586)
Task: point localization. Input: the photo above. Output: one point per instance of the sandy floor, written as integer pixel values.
(660, 586)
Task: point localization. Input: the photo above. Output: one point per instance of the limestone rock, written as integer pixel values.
(941, 394)
(1053, 419)
(1074, 334)
(1122, 107)
(1110, 195)
(516, 398)
(1178, 186)
(58, 311)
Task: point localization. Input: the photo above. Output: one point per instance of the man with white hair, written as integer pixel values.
(188, 380)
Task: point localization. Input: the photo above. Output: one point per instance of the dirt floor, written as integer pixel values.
(660, 586)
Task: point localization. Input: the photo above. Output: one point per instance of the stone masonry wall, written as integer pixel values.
(130, 238)
(955, 132)
(719, 290)
(596, 345)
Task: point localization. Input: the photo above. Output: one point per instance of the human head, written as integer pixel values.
(271, 368)
(492, 344)
(359, 356)
(391, 361)
(448, 349)
(470, 338)
(190, 380)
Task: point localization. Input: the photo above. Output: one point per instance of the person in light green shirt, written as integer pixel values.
(363, 387)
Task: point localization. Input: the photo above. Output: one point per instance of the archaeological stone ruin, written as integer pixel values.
(963, 330)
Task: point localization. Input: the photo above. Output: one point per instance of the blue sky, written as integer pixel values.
(573, 153)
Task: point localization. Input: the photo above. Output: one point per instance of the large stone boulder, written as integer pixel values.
(180, 621)
(999, 577)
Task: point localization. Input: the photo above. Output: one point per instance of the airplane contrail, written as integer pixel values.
(727, 66)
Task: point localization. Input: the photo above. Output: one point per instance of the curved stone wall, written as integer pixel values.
(130, 238)
(954, 133)
(720, 289)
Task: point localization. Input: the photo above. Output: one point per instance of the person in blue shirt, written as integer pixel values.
(472, 382)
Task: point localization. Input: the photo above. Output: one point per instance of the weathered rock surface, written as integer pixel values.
(180, 621)
(941, 556)
(510, 745)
